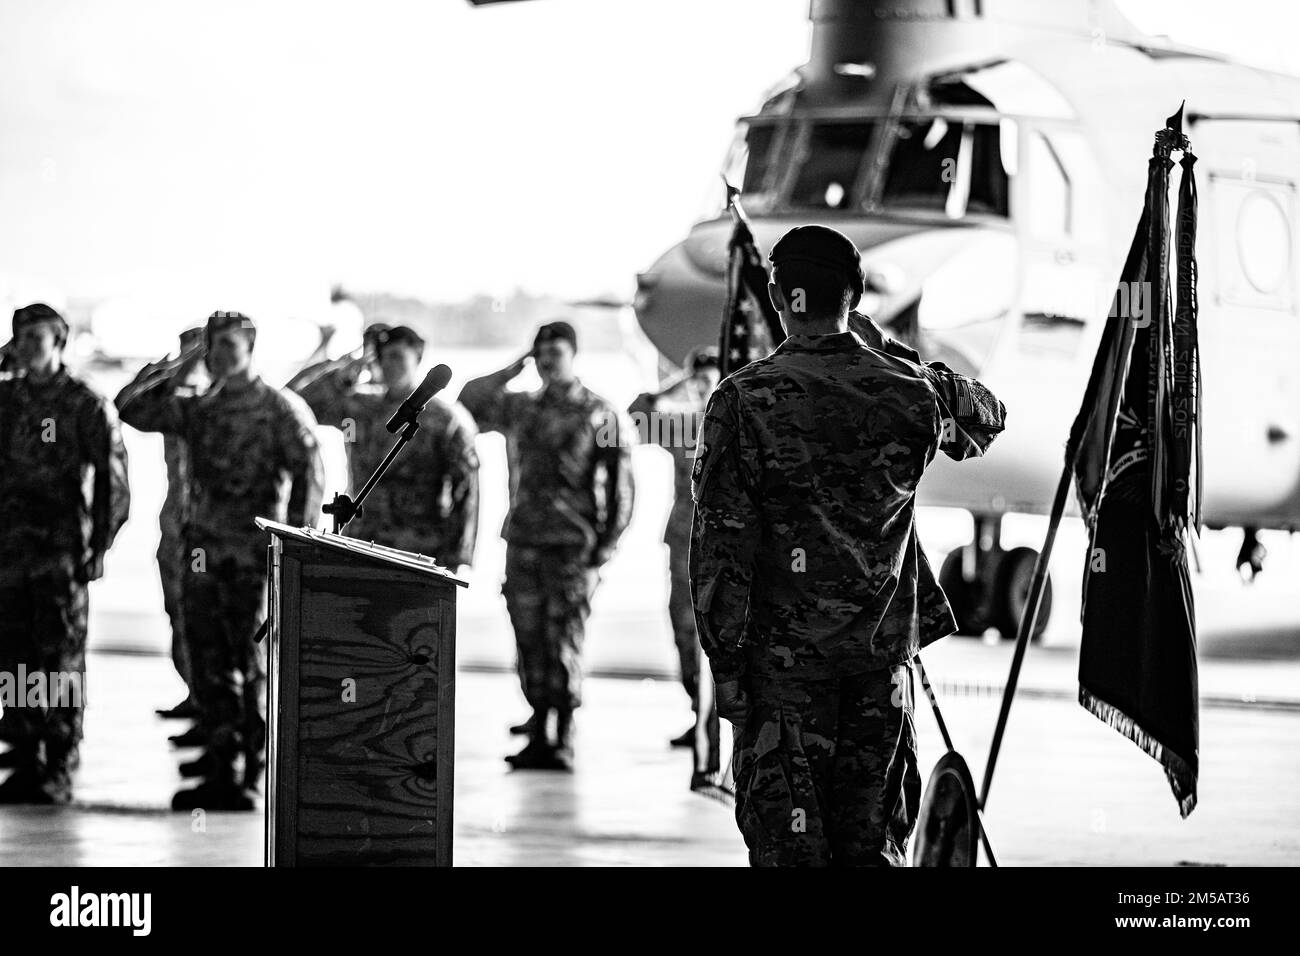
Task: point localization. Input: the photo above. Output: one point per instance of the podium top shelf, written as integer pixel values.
(367, 549)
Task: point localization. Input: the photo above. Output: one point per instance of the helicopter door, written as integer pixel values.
(1249, 331)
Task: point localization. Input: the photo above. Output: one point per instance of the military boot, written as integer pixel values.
(524, 729)
(538, 752)
(185, 710)
(202, 766)
(194, 737)
(213, 795)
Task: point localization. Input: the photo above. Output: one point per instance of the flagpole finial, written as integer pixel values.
(1172, 137)
(1175, 122)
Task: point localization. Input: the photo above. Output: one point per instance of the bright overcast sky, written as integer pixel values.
(415, 146)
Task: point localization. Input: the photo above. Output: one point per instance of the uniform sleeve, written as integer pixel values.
(615, 458)
(462, 487)
(111, 498)
(970, 415)
(724, 535)
(327, 394)
(489, 401)
(150, 403)
(302, 460)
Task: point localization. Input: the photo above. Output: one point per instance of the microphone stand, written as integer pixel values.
(344, 508)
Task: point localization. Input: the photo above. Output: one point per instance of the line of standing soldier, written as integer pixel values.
(239, 449)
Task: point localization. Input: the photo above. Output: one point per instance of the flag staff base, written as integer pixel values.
(950, 778)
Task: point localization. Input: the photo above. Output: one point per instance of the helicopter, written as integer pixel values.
(988, 159)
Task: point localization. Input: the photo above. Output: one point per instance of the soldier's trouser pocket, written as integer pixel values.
(777, 804)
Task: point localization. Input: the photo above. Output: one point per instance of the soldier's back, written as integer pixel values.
(837, 437)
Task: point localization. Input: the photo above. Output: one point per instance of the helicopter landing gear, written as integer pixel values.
(988, 587)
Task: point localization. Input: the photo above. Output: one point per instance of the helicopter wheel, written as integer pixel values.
(1015, 572)
(966, 598)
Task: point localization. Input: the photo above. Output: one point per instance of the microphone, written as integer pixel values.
(407, 412)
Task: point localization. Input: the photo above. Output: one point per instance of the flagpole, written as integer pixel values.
(1028, 618)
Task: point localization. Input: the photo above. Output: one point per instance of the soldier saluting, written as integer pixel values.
(811, 592)
(428, 500)
(252, 453)
(571, 494)
(63, 498)
(671, 418)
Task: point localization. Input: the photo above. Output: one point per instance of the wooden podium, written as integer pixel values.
(360, 703)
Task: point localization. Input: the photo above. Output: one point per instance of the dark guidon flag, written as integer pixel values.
(751, 328)
(1136, 451)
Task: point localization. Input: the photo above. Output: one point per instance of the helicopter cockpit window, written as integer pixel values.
(832, 159)
(758, 146)
(749, 160)
(949, 165)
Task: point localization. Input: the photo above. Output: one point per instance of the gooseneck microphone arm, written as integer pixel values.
(406, 420)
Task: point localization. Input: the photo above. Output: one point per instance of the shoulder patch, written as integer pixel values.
(697, 470)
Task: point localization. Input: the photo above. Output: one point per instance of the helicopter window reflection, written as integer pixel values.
(951, 166)
(832, 160)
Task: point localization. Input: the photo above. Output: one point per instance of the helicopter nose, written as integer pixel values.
(966, 273)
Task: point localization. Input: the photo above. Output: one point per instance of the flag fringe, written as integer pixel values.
(1180, 776)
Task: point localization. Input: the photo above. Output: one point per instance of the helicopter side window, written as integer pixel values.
(988, 182)
(831, 163)
(923, 164)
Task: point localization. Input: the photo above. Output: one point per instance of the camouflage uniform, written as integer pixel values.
(811, 588)
(171, 552)
(672, 420)
(571, 495)
(428, 500)
(63, 497)
(252, 452)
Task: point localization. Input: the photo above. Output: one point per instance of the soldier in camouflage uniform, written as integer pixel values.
(812, 594)
(671, 418)
(63, 497)
(428, 500)
(171, 539)
(252, 453)
(571, 495)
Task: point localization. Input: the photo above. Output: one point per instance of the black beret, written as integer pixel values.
(38, 312)
(556, 330)
(820, 245)
(224, 321)
(398, 335)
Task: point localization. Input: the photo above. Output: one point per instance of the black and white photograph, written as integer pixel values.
(650, 433)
